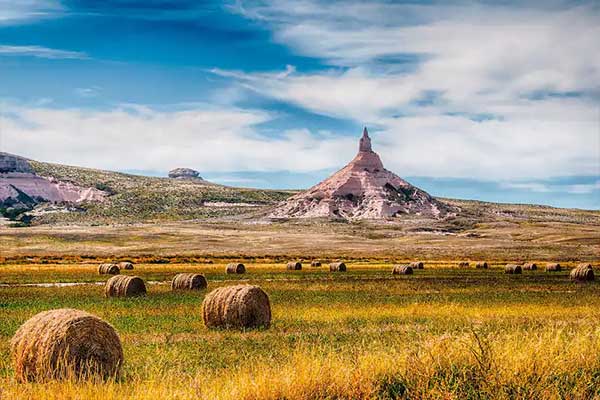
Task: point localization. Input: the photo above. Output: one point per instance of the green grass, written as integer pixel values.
(441, 333)
(142, 198)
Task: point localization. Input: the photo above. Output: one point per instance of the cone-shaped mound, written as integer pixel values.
(363, 189)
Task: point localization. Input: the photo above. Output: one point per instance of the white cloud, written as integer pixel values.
(40, 52)
(134, 137)
(486, 68)
(584, 188)
(138, 138)
(353, 94)
(471, 40)
(528, 186)
(543, 187)
(536, 146)
(88, 92)
(470, 53)
(12, 11)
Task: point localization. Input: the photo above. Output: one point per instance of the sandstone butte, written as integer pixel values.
(363, 189)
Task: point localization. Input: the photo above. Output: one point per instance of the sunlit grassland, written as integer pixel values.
(441, 333)
(157, 273)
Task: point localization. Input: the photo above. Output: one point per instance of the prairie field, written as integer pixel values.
(444, 332)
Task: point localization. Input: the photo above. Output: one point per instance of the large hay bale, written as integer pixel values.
(402, 270)
(582, 273)
(126, 265)
(66, 343)
(513, 269)
(337, 267)
(235, 268)
(108, 269)
(124, 286)
(294, 265)
(553, 267)
(240, 306)
(463, 264)
(315, 263)
(481, 265)
(530, 266)
(417, 265)
(188, 281)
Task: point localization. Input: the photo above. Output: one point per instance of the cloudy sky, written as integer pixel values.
(485, 100)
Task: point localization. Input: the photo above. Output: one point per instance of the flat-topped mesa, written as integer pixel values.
(184, 173)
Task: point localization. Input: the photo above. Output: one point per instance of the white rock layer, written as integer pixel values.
(17, 175)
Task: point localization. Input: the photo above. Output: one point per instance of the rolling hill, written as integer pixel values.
(128, 199)
(134, 198)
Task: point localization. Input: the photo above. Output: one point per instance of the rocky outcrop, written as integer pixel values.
(21, 187)
(12, 163)
(184, 173)
(363, 189)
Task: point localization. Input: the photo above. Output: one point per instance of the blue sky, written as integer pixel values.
(480, 100)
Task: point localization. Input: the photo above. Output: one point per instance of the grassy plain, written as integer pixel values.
(442, 333)
(499, 232)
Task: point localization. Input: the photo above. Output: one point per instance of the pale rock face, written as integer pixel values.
(363, 189)
(16, 175)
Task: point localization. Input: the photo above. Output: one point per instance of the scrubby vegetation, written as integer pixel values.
(134, 198)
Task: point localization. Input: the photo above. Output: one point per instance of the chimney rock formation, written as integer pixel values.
(363, 189)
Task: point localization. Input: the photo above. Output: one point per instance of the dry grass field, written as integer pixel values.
(442, 333)
(483, 231)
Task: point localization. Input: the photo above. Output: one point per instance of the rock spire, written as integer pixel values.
(363, 189)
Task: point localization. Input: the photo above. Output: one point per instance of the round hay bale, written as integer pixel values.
(108, 269)
(66, 343)
(582, 273)
(417, 265)
(530, 266)
(584, 265)
(402, 270)
(124, 286)
(481, 265)
(512, 269)
(188, 281)
(294, 266)
(553, 267)
(337, 267)
(235, 268)
(315, 264)
(125, 265)
(240, 306)
(463, 264)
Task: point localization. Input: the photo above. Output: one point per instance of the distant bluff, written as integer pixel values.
(21, 187)
(184, 173)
